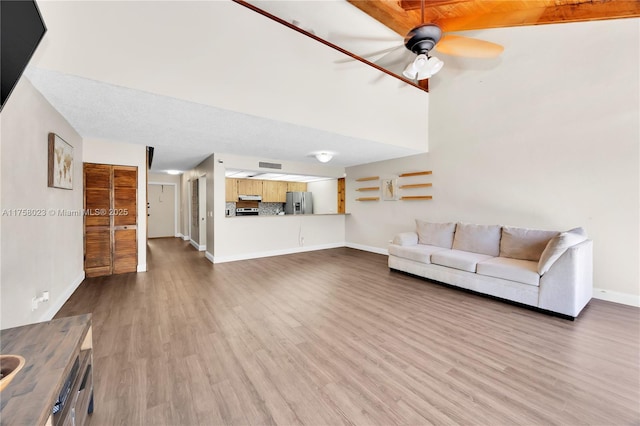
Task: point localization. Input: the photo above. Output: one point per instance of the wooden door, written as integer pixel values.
(110, 221)
(341, 197)
(97, 226)
(124, 218)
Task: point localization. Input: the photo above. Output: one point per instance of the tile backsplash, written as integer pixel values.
(230, 209)
(265, 209)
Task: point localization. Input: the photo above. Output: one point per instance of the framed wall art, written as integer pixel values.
(60, 163)
(389, 189)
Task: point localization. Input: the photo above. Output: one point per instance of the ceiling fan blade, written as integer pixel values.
(396, 56)
(468, 47)
(362, 38)
(382, 53)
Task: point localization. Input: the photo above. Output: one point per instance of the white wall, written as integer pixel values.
(44, 252)
(325, 196)
(124, 154)
(546, 140)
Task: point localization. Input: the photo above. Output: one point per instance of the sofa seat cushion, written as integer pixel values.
(522, 271)
(458, 259)
(419, 252)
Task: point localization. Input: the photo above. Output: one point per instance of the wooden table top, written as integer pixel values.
(48, 349)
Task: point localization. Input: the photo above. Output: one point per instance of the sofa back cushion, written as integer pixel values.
(524, 244)
(435, 234)
(483, 239)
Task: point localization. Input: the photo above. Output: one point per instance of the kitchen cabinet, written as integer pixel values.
(231, 190)
(297, 186)
(274, 191)
(249, 187)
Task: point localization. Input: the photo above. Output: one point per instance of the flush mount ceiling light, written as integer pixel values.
(174, 172)
(324, 157)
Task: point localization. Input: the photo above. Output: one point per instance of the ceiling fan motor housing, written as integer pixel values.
(422, 38)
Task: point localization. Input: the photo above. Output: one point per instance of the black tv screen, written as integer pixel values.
(21, 30)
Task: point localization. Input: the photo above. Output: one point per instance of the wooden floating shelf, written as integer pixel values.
(416, 197)
(426, 172)
(364, 179)
(416, 185)
(368, 199)
(369, 188)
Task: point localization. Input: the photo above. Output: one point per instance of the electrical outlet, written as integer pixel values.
(44, 297)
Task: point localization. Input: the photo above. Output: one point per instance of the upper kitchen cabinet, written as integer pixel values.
(249, 187)
(274, 191)
(296, 186)
(231, 190)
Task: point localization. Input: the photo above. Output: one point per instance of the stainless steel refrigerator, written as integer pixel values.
(299, 203)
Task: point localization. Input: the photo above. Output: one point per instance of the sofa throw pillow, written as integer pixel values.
(406, 239)
(483, 239)
(524, 244)
(558, 245)
(435, 234)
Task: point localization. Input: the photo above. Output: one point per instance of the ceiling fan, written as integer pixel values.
(422, 39)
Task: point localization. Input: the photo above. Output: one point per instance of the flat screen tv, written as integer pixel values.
(21, 30)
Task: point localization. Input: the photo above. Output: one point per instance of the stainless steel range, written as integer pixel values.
(247, 211)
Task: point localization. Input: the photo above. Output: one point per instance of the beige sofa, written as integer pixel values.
(548, 270)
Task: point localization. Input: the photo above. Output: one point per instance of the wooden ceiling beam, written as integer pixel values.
(461, 15)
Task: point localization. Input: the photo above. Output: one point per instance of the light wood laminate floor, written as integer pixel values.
(333, 337)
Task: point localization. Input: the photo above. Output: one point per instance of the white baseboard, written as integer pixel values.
(614, 296)
(59, 301)
(179, 235)
(198, 246)
(368, 248)
(256, 255)
(186, 237)
(209, 256)
(142, 268)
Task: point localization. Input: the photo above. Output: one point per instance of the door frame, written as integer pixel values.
(202, 211)
(175, 204)
(202, 198)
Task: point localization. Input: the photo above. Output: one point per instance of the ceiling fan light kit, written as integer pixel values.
(420, 41)
(423, 67)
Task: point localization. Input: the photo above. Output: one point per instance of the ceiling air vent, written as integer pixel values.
(262, 164)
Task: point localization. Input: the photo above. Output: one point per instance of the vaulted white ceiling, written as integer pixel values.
(192, 78)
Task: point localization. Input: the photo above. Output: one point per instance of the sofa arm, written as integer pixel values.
(568, 285)
(406, 239)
